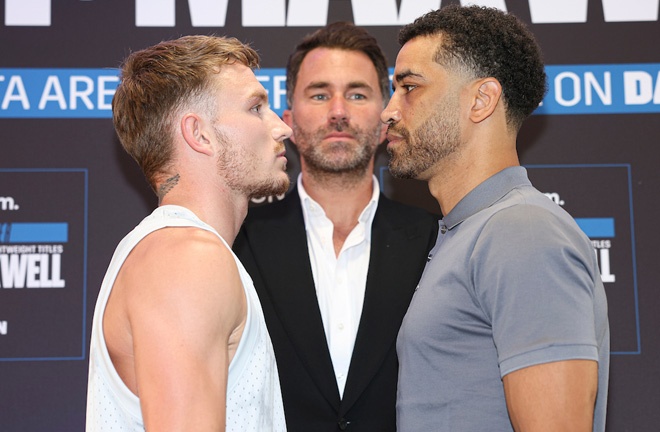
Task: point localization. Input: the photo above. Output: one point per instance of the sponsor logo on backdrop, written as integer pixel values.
(268, 199)
(30, 265)
(602, 89)
(310, 13)
(599, 198)
(43, 226)
(8, 204)
(87, 93)
(57, 93)
(600, 231)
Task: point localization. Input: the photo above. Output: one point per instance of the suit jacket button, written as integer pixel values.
(343, 424)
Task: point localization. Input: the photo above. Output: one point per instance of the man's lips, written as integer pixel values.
(339, 135)
(391, 137)
(281, 158)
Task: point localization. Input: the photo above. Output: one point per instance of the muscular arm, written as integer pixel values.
(186, 310)
(553, 397)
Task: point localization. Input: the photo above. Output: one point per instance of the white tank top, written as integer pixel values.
(254, 399)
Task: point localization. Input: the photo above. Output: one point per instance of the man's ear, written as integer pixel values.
(287, 117)
(486, 96)
(196, 133)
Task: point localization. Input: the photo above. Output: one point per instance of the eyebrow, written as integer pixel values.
(259, 95)
(324, 85)
(405, 74)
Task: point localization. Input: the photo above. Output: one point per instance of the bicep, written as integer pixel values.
(558, 396)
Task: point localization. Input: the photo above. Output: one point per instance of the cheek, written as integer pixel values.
(406, 109)
(310, 114)
(415, 112)
(408, 117)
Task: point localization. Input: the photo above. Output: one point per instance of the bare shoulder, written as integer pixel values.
(181, 242)
(185, 271)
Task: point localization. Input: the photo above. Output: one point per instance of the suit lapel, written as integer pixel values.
(388, 293)
(290, 285)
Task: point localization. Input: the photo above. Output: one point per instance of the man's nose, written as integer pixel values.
(338, 110)
(390, 114)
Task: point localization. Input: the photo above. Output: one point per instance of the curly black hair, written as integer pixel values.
(487, 42)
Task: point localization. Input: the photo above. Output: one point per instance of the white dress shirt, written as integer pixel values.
(340, 280)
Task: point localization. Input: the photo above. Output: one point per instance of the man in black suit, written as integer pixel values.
(335, 262)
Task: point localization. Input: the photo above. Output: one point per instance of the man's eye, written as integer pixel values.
(357, 96)
(409, 87)
(319, 97)
(257, 108)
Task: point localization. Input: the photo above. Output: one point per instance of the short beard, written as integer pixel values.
(436, 139)
(339, 158)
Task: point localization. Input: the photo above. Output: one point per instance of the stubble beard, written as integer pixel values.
(338, 159)
(241, 173)
(436, 139)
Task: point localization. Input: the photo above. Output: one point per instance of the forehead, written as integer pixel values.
(236, 83)
(337, 67)
(417, 55)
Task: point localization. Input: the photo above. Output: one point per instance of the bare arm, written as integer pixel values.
(186, 311)
(555, 397)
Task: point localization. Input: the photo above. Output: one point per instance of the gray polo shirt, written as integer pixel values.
(512, 282)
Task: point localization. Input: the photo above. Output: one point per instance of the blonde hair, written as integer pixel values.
(159, 81)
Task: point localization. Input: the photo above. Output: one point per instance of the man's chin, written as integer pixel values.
(281, 187)
(277, 187)
(401, 171)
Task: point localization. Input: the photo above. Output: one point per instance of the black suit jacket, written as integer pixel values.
(273, 247)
